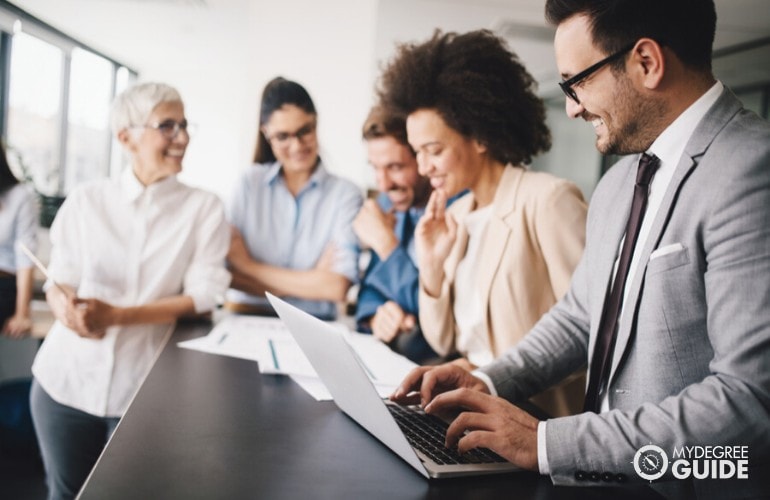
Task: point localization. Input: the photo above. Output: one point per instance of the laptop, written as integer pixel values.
(411, 434)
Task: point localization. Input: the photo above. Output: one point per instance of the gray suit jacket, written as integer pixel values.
(691, 364)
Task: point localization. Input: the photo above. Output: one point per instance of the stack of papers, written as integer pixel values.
(268, 342)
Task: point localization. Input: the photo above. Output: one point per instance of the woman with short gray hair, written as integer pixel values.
(129, 256)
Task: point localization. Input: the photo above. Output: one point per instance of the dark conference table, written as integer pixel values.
(207, 426)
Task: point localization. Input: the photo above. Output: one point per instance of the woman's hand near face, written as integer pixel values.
(434, 237)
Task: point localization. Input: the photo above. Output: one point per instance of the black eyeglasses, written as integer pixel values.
(566, 85)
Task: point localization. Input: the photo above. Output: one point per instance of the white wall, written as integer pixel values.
(327, 47)
(222, 83)
(221, 56)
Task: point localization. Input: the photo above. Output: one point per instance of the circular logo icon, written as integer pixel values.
(650, 462)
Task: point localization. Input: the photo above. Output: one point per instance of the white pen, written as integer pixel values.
(42, 268)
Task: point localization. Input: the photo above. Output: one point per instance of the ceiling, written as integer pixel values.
(129, 30)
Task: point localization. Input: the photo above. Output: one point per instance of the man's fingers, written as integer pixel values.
(465, 421)
(394, 311)
(408, 322)
(461, 398)
(477, 439)
(411, 383)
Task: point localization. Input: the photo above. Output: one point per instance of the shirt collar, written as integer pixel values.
(133, 189)
(670, 145)
(275, 168)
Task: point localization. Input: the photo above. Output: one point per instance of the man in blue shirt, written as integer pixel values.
(387, 300)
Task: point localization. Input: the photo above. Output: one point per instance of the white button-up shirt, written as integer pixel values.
(128, 245)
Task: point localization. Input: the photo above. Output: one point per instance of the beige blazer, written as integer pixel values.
(532, 243)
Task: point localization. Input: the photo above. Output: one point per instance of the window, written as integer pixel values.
(34, 110)
(56, 117)
(88, 138)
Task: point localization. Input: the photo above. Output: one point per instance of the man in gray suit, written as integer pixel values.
(684, 360)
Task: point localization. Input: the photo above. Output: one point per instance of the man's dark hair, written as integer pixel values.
(477, 86)
(278, 92)
(685, 26)
(381, 123)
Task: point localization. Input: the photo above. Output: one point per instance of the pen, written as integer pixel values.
(42, 268)
(222, 338)
(272, 351)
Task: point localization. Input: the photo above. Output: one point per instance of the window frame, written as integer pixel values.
(10, 17)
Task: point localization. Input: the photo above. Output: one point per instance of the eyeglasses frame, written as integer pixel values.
(178, 127)
(566, 85)
(300, 134)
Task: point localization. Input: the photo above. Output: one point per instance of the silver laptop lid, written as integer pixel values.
(335, 361)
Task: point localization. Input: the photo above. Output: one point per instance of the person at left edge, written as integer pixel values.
(131, 255)
(18, 224)
(388, 294)
(291, 219)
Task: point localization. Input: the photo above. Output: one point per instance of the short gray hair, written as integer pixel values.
(134, 105)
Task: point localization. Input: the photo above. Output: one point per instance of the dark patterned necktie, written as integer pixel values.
(605, 341)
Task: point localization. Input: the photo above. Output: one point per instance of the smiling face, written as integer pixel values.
(450, 160)
(155, 157)
(623, 119)
(292, 136)
(395, 169)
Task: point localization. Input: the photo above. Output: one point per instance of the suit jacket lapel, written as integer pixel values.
(714, 120)
(459, 210)
(497, 233)
(613, 227)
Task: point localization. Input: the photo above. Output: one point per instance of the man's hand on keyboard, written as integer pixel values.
(489, 422)
(426, 382)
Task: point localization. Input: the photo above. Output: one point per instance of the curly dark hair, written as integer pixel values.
(477, 85)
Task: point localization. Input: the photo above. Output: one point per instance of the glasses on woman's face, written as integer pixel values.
(170, 128)
(566, 85)
(282, 139)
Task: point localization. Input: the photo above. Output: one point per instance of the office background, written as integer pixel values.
(220, 53)
(63, 60)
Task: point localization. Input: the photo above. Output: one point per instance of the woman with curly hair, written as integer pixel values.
(503, 254)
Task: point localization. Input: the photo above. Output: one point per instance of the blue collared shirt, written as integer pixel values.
(395, 278)
(284, 231)
(18, 223)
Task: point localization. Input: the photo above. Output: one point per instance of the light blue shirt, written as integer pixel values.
(18, 222)
(284, 231)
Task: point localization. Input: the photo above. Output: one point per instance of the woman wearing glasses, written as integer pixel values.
(502, 255)
(292, 221)
(128, 257)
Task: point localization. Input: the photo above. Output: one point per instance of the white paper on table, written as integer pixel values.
(268, 342)
(264, 340)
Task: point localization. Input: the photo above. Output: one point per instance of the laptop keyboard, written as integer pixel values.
(428, 434)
